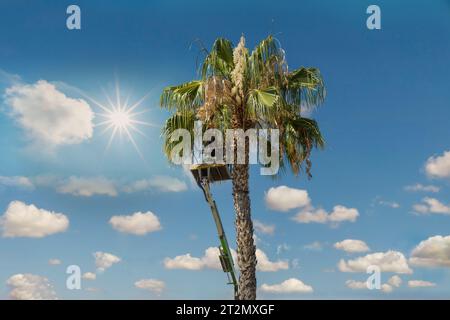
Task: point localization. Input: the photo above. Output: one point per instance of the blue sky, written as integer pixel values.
(385, 121)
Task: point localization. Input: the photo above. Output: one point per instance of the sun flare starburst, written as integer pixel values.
(120, 118)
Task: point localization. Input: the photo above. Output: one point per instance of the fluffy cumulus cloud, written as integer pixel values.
(30, 287)
(432, 252)
(54, 262)
(89, 276)
(291, 285)
(159, 183)
(22, 220)
(393, 282)
(420, 284)
(438, 166)
(87, 187)
(338, 215)
(264, 228)
(283, 198)
(390, 261)
(104, 260)
(153, 285)
(264, 264)
(48, 116)
(185, 261)
(431, 205)
(138, 223)
(352, 246)
(210, 260)
(386, 288)
(424, 188)
(16, 181)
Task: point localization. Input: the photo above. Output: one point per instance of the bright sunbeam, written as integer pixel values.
(120, 119)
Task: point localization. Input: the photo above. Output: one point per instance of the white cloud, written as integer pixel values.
(54, 262)
(431, 205)
(89, 276)
(390, 261)
(104, 260)
(292, 285)
(22, 220)
(30, 287)
(438, 166)
(16, 181)
(352, 284)
(264, 228)
(153, 285)
(395, 281)
(420, 284)
(138, 223)
(90, 186)
(390, 204)
(339, 214)
(283, 198)
(388, 287)
(420, 187)
(352, 246)
(311, 215)
(159, 183)
(87, 187)
(313, 246)
(432, 252)
(185, 261)
(210, 260)
(264, 264)
(48, 116)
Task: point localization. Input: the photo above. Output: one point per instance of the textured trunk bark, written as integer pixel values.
(244, 233)
(246, 250)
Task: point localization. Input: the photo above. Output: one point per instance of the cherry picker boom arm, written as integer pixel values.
(225, 256)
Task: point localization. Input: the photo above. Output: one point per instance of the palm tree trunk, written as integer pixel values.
(246, 250)
(244, 233)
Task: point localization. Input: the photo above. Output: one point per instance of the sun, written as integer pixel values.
(121, 118)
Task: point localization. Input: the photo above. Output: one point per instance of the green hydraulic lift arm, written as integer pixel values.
(225, 256)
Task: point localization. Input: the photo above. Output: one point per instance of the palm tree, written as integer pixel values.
(238, 90)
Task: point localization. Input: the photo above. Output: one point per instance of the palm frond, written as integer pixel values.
(180, 120)
(184, 96)
(219, 61)
(305, 87)
(262, 104)
(299, 137)
(267, 64)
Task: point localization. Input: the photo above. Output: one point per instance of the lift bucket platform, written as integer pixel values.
(213, 172)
